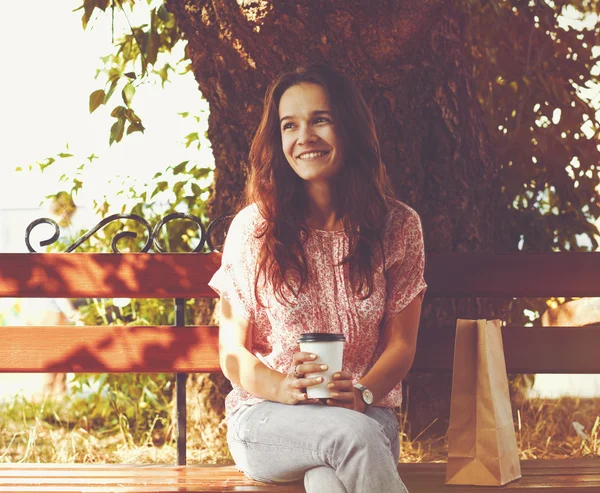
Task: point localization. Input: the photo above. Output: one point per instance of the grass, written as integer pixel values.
(47, 430)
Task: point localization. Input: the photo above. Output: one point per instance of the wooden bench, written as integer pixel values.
(184, 349)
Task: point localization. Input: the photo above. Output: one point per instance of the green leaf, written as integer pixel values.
(180, 168)
(88, 9)
(163, 13)
(118, 112)
(127, 93)
(189, 138)
(111, 90)
(48, 162)
(160, 187)
(135, 127)
(178, 186)
(65, 154)
(96, 99)
(116, 131)
(196, 190)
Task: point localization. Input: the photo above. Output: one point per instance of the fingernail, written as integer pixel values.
(313, 356)
(323, 367)
(329, 385)
(319, 379)
(334, 394)
(336, 375)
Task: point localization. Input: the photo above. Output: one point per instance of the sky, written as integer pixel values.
(49, 63)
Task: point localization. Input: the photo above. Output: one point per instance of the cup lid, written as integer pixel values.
(321, 337)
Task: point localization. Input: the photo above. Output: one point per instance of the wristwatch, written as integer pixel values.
(366, 394)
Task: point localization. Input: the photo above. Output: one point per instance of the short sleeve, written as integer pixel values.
(404, 276)
(234, 280)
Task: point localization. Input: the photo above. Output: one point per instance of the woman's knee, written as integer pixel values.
(324, 478)
(356, 432)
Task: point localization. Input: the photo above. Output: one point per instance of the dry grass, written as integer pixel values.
(545, 429)
(40, 432)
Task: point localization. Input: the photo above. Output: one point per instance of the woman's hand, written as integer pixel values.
(293, 387)
(343, 393)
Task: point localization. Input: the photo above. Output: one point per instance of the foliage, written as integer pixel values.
(146, 43)
(535, 71)
(534, 77)
(137, 407)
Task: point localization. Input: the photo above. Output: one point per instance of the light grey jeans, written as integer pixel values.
(334, 449)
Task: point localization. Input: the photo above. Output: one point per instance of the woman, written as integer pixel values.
(321, 247)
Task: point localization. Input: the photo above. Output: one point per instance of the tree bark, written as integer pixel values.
(409, 60)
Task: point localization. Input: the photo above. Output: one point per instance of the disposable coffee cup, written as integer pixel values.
(329, 349)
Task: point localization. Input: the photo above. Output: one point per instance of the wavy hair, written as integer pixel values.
(361, 188)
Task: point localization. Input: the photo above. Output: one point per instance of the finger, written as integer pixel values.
(300, 396)
(342, 375)
(306, 368)
(342, 396)
(301, 357)
(340, 386)
(302, 383)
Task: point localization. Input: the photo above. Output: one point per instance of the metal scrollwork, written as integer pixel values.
(205, 233)
(180, 215)
(211, 229)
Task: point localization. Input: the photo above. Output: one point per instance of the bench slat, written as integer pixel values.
(526, 349)
(109, 349)
(105, 275)
(513, 275)
(184, 275)
(168, 349)
(554, 476)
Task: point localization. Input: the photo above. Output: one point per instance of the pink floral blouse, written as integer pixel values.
(327, 302)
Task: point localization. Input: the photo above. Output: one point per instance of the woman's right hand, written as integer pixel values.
(293, 389)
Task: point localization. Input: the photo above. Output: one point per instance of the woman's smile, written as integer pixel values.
(309, 135)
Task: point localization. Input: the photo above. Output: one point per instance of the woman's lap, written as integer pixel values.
(276, 442)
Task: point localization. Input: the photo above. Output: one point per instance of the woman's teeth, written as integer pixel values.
(311, 155)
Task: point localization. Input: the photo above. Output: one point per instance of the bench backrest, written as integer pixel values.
(195, 348)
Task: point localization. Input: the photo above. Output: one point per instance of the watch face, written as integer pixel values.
(367, 396)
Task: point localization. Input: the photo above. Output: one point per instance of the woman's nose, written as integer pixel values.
(306, 134)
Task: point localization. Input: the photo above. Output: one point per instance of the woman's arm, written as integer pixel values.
(400, 341)
(245, 370)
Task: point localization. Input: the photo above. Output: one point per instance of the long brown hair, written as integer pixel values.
(361, 188)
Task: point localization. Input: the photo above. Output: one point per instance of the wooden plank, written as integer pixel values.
(526, 349)
(109, 349)
(547, 476)
(105, 275)
(132, 478)
(554, 476)
(135, 275)
(195, 349)
(508, 275)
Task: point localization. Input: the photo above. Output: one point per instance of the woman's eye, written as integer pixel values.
(322, 119)
(286, 126)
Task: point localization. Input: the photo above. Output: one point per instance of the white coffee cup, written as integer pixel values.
(329, 349)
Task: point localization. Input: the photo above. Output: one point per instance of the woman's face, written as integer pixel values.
(309, 136)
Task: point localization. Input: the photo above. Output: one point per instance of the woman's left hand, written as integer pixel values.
(343, 393)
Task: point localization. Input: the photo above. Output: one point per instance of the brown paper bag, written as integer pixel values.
(482, 446)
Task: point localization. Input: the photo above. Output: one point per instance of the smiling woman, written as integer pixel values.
(321, 246)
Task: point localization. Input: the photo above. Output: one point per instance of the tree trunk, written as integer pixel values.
(408, 58)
